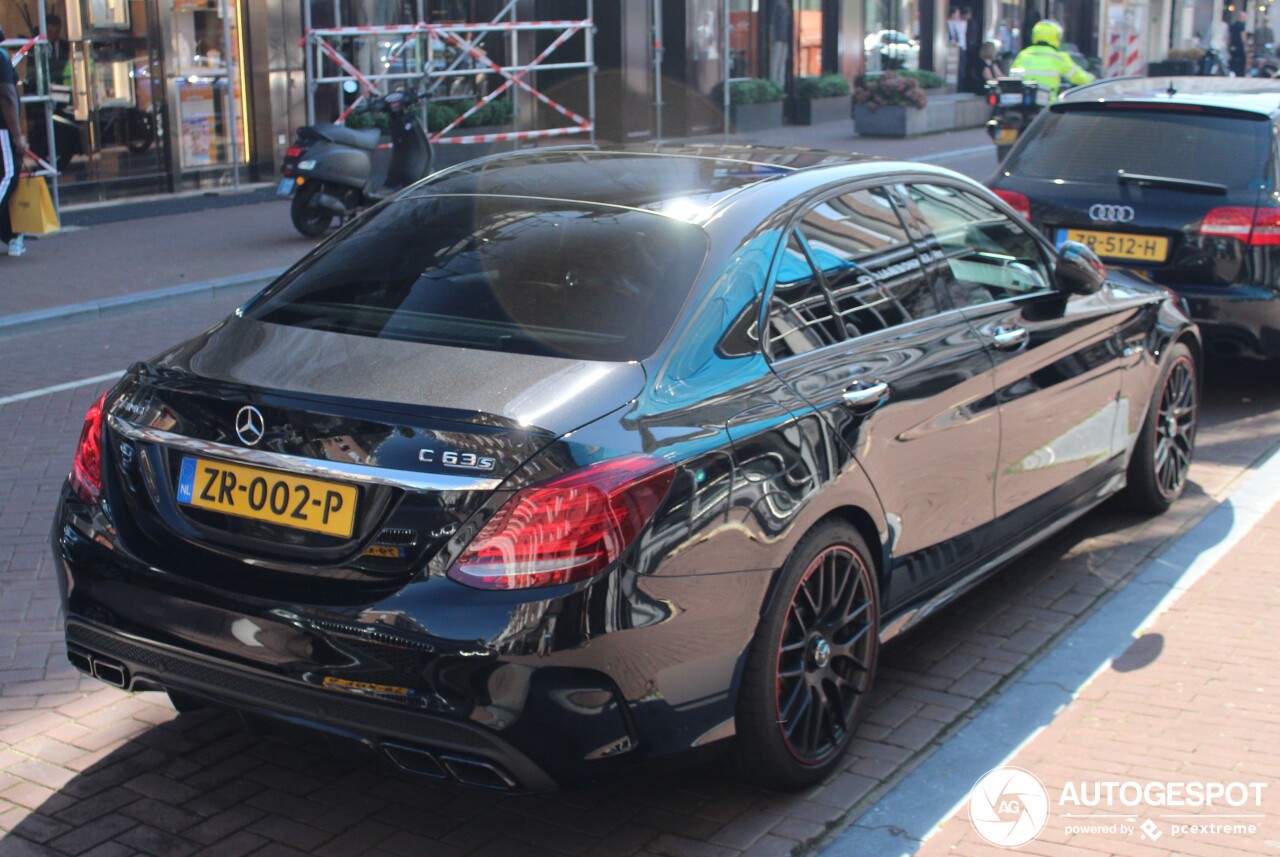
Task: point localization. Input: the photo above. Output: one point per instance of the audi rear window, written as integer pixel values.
(1091, 145)
(528, 276)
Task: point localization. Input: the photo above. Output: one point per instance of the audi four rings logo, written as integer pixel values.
(250, 426)
(1104, 213)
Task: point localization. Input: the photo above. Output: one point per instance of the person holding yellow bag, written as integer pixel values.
(12, 146)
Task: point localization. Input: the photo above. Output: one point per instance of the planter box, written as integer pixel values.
(815, 111)
(449, 154)
(893, 121)
(755, 117)
(1175, 68)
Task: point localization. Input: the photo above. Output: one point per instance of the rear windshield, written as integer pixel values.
(500, 274)
(1091, 145)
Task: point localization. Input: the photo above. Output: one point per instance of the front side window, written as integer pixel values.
(979, 254)
(849, 269)
(527, 276)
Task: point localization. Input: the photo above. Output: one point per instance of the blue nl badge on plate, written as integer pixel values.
(186, 480)
(1060, 239)
(285, 187)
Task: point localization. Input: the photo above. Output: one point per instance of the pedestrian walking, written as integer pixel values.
(12, 147)
(1235, 45)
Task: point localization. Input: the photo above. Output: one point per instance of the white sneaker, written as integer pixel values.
(17, 246)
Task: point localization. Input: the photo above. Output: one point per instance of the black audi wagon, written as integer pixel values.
(1177, 179)
(562, 462)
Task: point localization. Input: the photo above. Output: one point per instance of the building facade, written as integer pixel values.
(169, 95)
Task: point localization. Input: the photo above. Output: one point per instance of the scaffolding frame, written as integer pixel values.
(436, 54)
(36, 50)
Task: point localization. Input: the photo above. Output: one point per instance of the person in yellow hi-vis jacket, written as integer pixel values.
(1044, 63)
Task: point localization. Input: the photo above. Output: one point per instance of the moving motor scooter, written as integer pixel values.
(336, 172)
(1014, 103)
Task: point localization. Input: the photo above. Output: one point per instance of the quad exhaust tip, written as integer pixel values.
(104, 669)
(469, 771)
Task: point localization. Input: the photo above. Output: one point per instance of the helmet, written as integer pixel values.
(1048, 31)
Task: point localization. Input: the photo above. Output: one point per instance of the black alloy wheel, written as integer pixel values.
(1162, 457)
(812, 662)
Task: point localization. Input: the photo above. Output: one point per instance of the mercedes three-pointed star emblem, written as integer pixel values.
(250, 426)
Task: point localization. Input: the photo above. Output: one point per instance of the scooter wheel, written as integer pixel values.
(307, 219)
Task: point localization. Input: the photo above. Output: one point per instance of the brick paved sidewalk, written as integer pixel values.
(1196, 698)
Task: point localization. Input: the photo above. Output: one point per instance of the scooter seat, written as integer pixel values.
(343, 136)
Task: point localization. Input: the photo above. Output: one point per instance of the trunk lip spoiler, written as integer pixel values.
(360, 473)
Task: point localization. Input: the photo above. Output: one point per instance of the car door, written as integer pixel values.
(1058, 357)
(856, 331)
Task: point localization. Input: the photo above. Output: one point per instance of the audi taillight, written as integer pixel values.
(566, 529)
(86, 470)
(1019, 202)
(1257, 227)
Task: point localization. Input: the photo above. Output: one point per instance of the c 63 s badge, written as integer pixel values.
(383, 691)
(459, 460)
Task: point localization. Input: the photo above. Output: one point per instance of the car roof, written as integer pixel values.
(1250, 95)
(690, 182)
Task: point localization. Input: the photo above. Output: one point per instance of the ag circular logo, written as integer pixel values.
(250, 426)
(1008, 807)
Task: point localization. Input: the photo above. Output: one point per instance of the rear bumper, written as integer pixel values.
(419, 743)
(1235, 320)
(516, 692)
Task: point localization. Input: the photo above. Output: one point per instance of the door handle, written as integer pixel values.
(1008, 337)
(866, 394)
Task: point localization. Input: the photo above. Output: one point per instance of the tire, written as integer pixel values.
(310, 221)
(1161, 459)
(811, 663)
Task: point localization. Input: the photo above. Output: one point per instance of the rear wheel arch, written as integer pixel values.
(863, 523)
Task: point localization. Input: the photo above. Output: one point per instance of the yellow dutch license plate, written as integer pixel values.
(1006, 136)
(1119, 245)
(268, 495)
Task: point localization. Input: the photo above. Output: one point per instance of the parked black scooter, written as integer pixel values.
(1014, 103)
(333, 171)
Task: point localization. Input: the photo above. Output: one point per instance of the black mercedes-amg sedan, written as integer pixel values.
(561, 462)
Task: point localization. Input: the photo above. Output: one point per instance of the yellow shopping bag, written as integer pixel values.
(31, 208)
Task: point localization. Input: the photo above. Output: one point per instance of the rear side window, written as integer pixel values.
(499, 274)
(849, 269)
(980, 254)
(1091, 145)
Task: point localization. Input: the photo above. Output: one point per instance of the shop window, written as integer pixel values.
(893, 35)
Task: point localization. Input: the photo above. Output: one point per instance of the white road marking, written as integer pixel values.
(58, 388)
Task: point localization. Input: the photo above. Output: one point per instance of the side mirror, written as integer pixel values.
(1079, 270)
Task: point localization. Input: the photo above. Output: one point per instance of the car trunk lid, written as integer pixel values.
(308, 464)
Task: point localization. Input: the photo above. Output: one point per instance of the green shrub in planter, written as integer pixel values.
(754, 91)
(497, 112)
(827, 86)
(359, 120)
(927, 79)
(439, 115)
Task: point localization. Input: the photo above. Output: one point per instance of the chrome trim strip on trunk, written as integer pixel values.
(361, 473)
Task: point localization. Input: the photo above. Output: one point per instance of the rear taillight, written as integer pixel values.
(1257, 227)
(1019, 202)
(294, 152)
(567, 529)
(86, 470)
